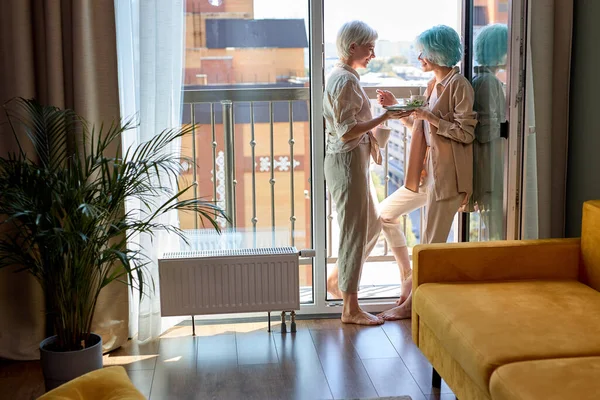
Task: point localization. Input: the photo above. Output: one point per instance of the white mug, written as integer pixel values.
(382, 135)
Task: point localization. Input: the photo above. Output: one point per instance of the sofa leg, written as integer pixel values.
(436, 379)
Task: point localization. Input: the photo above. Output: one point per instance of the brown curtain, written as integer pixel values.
(62, 52)
(551, 25)
(561, 80)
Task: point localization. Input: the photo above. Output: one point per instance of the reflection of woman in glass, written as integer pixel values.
(488, 150)
(350, 146)
(442, 135)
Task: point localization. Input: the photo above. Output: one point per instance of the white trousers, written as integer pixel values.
(439, 214)
(401, 202)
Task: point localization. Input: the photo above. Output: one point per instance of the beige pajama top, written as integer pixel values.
(347, 171)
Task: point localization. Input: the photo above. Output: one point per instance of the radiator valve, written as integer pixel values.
(293, 324)
(283, 326)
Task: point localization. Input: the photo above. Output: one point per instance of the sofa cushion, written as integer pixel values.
(554, 379)
(111, 383)
(590, 244)
(486, 325)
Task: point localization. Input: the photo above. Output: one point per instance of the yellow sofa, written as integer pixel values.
(513, 319)
(110, 383)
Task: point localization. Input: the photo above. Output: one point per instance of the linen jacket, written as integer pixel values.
(451, 144)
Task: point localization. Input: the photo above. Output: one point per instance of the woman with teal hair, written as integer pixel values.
(491, 46)
(440, 167)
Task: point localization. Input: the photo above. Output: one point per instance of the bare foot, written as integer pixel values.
(396, 313)
(333, 288)
(361, 318)
(405, 288)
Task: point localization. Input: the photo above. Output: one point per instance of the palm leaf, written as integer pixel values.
(64, 211)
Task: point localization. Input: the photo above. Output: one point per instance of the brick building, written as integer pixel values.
(226, 48)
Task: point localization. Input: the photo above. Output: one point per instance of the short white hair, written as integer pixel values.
(353, 32)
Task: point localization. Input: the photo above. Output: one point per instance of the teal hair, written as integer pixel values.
(491, 45)
(440, 45)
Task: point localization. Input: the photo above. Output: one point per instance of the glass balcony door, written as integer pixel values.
(494, 64)
(395, 68)
(259, 142)
(247, 92)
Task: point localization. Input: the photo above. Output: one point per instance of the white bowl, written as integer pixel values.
(418, 97)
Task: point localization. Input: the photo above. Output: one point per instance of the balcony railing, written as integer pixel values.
(222, 109)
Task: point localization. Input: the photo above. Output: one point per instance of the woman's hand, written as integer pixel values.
(396, 114)
(407, 121)
(424, 114)
(385, 98)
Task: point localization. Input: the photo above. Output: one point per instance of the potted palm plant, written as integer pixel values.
(63, 219)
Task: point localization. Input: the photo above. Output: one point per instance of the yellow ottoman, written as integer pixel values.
(486, 325)
(111, 383)
(552, 379)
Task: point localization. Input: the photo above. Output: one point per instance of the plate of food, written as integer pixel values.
(401, 107)
(409, 104)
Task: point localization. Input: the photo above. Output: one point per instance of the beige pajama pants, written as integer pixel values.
(349, 181)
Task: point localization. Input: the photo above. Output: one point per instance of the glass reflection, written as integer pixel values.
(488, 150)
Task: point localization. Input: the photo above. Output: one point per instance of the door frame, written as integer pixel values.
(516, 116)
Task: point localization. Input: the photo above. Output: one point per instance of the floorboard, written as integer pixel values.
(325, 359)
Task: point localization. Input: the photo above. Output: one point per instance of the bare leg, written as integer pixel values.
(401, 256)
(403, 261)
(401, 202)
(353, 314)
(332, 284)
(402, 311)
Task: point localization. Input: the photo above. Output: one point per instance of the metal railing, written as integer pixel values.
(227, 99)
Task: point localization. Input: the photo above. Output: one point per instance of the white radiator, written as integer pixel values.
(229, 281)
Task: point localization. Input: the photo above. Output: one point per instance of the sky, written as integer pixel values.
(394, 20)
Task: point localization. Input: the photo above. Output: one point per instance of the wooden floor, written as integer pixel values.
(323, 360)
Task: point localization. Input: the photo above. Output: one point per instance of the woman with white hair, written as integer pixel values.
(350, 145)
(442, 135)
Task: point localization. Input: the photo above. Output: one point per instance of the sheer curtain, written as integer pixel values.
(150, 47)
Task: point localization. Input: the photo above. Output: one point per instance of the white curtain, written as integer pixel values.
(150, 46)
(530, 214)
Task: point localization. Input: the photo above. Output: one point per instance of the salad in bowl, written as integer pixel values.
(411, 103)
